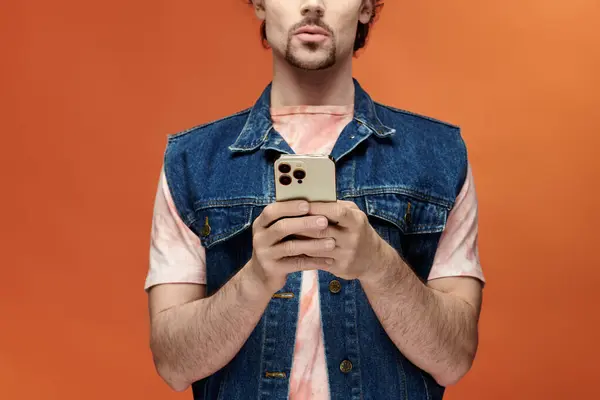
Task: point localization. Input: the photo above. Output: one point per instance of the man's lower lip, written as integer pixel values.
(311, 37)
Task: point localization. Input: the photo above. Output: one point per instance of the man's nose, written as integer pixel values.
(313, 8)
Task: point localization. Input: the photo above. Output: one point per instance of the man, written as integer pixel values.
(376, 296)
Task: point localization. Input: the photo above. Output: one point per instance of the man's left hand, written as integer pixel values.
(359, 250)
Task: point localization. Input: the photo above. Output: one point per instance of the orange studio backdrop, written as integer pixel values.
(90, 89)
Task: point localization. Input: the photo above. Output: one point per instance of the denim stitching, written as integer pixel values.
(398, 190)
(208, 243)
(295, 336)
(248, 201)
(358, 142)
(403, 378)
(414, 229)
(425, 383)
(262, 355)
(253, 145)
(360, 385)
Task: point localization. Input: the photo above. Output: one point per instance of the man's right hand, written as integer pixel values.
(273, 259)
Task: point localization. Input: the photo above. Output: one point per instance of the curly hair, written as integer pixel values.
(362, 31)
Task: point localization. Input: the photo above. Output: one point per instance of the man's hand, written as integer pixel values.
(272, 258)
(358, 248)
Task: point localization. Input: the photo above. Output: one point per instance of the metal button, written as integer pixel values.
(346, 366)
(278, 375)
(286, 295)
(335, 286)
(407, 215)
(206, 228)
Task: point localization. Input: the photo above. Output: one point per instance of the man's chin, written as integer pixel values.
(312, 62)
(312, 67)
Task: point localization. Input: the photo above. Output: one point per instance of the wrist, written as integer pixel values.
(385, 266)
(254, 286)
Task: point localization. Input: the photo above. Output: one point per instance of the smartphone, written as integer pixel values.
(308, 177)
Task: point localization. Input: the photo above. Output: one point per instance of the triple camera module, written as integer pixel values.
(286, 179)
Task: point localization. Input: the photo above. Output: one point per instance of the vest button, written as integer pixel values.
(346, 366)
(206, 228)
(335, 286)
(205, 231)
(280, 375)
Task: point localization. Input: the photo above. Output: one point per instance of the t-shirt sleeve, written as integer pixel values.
(176, 254)
(457, 253)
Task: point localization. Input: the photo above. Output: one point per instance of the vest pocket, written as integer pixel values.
(410, 225)
(218, 221)
(410, 215)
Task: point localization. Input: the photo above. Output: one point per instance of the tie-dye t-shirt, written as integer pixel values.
(177, 256)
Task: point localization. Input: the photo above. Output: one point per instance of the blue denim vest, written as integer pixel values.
(403, 170)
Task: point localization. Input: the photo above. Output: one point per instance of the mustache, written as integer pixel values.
(311, 21)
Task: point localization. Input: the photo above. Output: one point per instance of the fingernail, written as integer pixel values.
(304, 207)
(330, 244)
(322, 222)
(328, 261)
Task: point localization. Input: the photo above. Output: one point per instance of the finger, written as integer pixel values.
(337, 213)
(308, 247)
(349, 204)
(304, 263)
(305, 226)
(332, 231)
(280, 209)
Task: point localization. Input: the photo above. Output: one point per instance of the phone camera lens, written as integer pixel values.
(284, 168)
(299, 174)
(285, 180)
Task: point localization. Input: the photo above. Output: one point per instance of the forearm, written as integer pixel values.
(436, 331)
(194, 340)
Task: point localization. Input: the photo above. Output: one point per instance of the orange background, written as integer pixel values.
(90, 89)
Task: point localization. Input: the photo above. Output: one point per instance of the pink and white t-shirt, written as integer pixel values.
(177, 256)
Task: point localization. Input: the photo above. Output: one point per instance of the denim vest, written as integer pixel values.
(403, 171)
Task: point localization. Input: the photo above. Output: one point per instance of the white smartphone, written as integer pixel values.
(308, 177)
